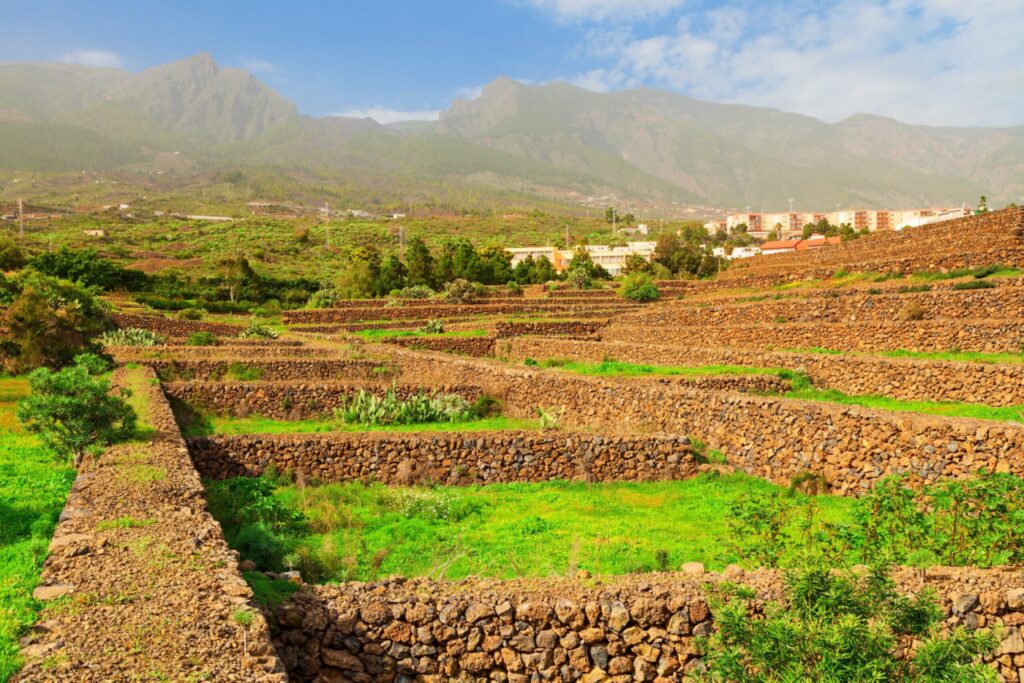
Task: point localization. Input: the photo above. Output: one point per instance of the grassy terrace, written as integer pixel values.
(208, 425)
(353, 531)
(951, 355)
(613, 368)
(386, 334)
(33, 487)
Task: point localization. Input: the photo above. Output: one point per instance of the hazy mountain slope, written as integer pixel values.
(553, 139)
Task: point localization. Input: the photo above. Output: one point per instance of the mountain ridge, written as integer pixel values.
(553, 139)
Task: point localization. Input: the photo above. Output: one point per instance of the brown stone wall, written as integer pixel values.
(571, 329)
(232, 351)
(274, 369)
(902, 378)
(172, 327)
(986, 336)
(445, 311)
(775, 438)
(451, 458)
(466, 346)
(635, 628)
(291, 400)
(153, 598)
(1001, 303)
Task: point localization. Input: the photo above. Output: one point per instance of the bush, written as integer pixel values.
(461, 291)
(201, 339)
(433, 327)
(367, 408)
(513, 288)
(840, 627)
(11, 256)
(911, 311)
(579, 278)
(75, 413)
(48, 322)
(323, 298)
(86, 268)
(131, 336)
(190, 314)
(639, 287)
(415, 292)
(974, 284)
(257, 331)
(270, 309)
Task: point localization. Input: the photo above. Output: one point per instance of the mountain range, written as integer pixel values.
(554, 139)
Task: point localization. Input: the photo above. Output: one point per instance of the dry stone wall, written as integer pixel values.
(445, 311)
(152, 598)
(292, 400)
(570, 328)
(272, 369)
(173, 327)
(466, 346)
(986, 336)
(774, 438)
(451, 458)
(636, 628)
(902, 378)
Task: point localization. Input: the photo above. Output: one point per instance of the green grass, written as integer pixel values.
(962, 356)
(33, 487)
(208, 425)
(386, 334)
(975, 411)
(361, 532)
(613, 368)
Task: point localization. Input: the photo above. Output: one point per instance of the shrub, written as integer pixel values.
(550, 418)
(367, 408)
(840, 627)
(911, 311)
(513, 288)
(131, 336)
(485, 406)
(433, 327)
(190, 314)
(257, 331)
(639, 287)
(48, 322)
(985, 271)
(974, 284)
(269, 309)
(579, 278)
(461, 291)
(11, 256)
(86, 268)
(415, 292)
(75, 413)
(201, 339)
(242, 372)
(323, 298)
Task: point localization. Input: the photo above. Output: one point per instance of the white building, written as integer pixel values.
(736, 253)
(610, 258)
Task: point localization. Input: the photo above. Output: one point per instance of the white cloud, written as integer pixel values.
(938, 62)
(259, 65)
(600, 10)
(93, 58)
(385, 115)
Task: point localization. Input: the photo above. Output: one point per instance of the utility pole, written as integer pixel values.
(21, 218)
(791, 205)
(401, 242)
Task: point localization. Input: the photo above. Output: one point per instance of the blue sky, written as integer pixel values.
(941, 62)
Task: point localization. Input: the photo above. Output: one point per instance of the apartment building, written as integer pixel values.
(610, 258)
(792, 223)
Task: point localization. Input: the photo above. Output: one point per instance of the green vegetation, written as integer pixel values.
(960, 356)
(33, 487)
(131, 336)
(258, 331)
(202, 425)
(73, 412)
(992, 270)
(639, 287)
(977, 411)
(836, 627)
(357, 531)
(387, 334)
(613, 368)
(974, 284)
(201, 339)
(368, 409)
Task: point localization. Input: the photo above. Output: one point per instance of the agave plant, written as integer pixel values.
(367, 408)
(131, 336)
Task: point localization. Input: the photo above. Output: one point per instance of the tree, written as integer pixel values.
(49, 322)
(610, 215)
(498, 264)
(237, 274)
(524, 270)
(392, 276)
(73, 412)
(419, 264)
(86, 268)
(11, 257)
(982, 204)
(635, 263)
(581, 260)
